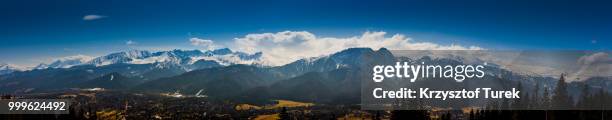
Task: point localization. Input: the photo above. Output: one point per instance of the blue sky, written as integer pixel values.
(35, 31)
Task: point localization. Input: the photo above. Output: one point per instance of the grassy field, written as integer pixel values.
(267, 117)
(289, 104)
(247, 107)
(279, 104)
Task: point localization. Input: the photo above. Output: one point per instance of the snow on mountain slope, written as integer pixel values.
(162, 59)
(228, 59)
(120, 57)
(69, 61)
(8, 68)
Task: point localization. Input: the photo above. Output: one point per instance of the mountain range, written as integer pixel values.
(7, 68)
(226, 74)
(185, 59)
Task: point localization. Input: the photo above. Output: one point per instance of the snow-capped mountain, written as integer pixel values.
(349, 58)
(69, 61)
(184, 59)
(7, 68)
(40, 66)
(120, 57)
(176, 69)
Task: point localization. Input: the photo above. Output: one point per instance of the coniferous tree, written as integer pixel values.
(601, 100)
(545, 99)
(526, 101)
(535, 99)
(409, 114)
(561, 99)
(284, 115)
(471, 115)
(518, 102)
(376, 116)
(443, 117)
(584, 99)
(446, 116)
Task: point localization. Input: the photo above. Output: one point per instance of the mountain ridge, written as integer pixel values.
(176, 57)
(338, 75)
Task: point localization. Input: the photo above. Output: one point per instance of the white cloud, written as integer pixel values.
(69, 61)
(597, 64)
(93, 17)
(130, 42)
(285, 47)
(596, 58)
(204, 43)
(79, 57)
